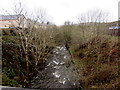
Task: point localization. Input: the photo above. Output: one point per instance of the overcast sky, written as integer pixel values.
(63, 10)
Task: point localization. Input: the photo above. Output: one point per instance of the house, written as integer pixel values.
(114, 28)
(11, 21)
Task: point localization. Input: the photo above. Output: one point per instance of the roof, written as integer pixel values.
(114, 27)
(9, 17)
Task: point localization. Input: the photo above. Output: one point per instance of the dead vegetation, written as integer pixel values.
(99, 67)
(95, 54)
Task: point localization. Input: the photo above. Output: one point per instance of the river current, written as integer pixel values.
(58, 72)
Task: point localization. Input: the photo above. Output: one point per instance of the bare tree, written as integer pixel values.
(82, 24)
(34, 38)
(93, 22)
(24, 37)
(25, 33)
(41, 15)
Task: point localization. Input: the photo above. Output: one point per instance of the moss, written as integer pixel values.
(9, 82)
(71, 51)
(67, 65)
(9, 72)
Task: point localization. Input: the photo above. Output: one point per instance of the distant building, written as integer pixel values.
(114, 28)
(10, 21)
(114, 25)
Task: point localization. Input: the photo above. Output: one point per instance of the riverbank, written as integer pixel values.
(96, 63)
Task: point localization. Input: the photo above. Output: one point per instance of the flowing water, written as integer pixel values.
(58, 73)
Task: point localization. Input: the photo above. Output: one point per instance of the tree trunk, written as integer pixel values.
(27, 65)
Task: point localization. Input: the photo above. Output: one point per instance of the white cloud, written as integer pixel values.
(62, 10)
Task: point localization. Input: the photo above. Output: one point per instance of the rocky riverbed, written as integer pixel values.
(58, 72)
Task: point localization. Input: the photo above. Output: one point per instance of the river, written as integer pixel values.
(58, 72)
